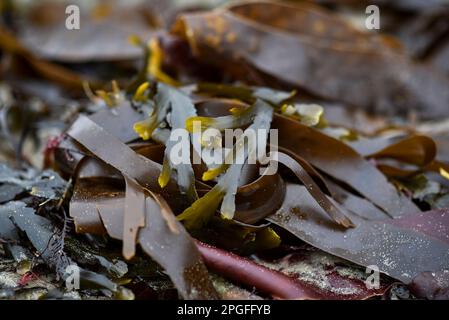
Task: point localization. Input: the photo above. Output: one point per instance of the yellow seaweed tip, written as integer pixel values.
(212, 173)
(139, 95)
(444, 173)
(142, 128)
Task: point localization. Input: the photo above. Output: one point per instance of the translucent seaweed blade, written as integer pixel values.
(263, 115)
(181, 108)
(261, 125)
(184, 174)
(204, 208)
(161, 135)
(231, 185)
(181, 105)
(186, 181)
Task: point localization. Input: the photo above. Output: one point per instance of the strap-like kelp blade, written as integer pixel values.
(343, 163)
(133, 216)
(334, 211)
(115, 153)
(86, 191)
(433, 224)
(309, 146)
(356, 204)
(118, 121)
(416, 149)
(166, 239)
(254, 200)
(400, 252)
(138, 171)
(173, 250)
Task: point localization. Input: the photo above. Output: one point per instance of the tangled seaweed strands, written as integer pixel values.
(320, 197)
(142, 173)
(139, 167)
(161, 233)
(361, 205)
(181, 108)
(312, 148)
(291, 290)
(309, 132)
(297, 165)
(226, 188)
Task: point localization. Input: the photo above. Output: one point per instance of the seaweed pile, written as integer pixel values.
(358, 186)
